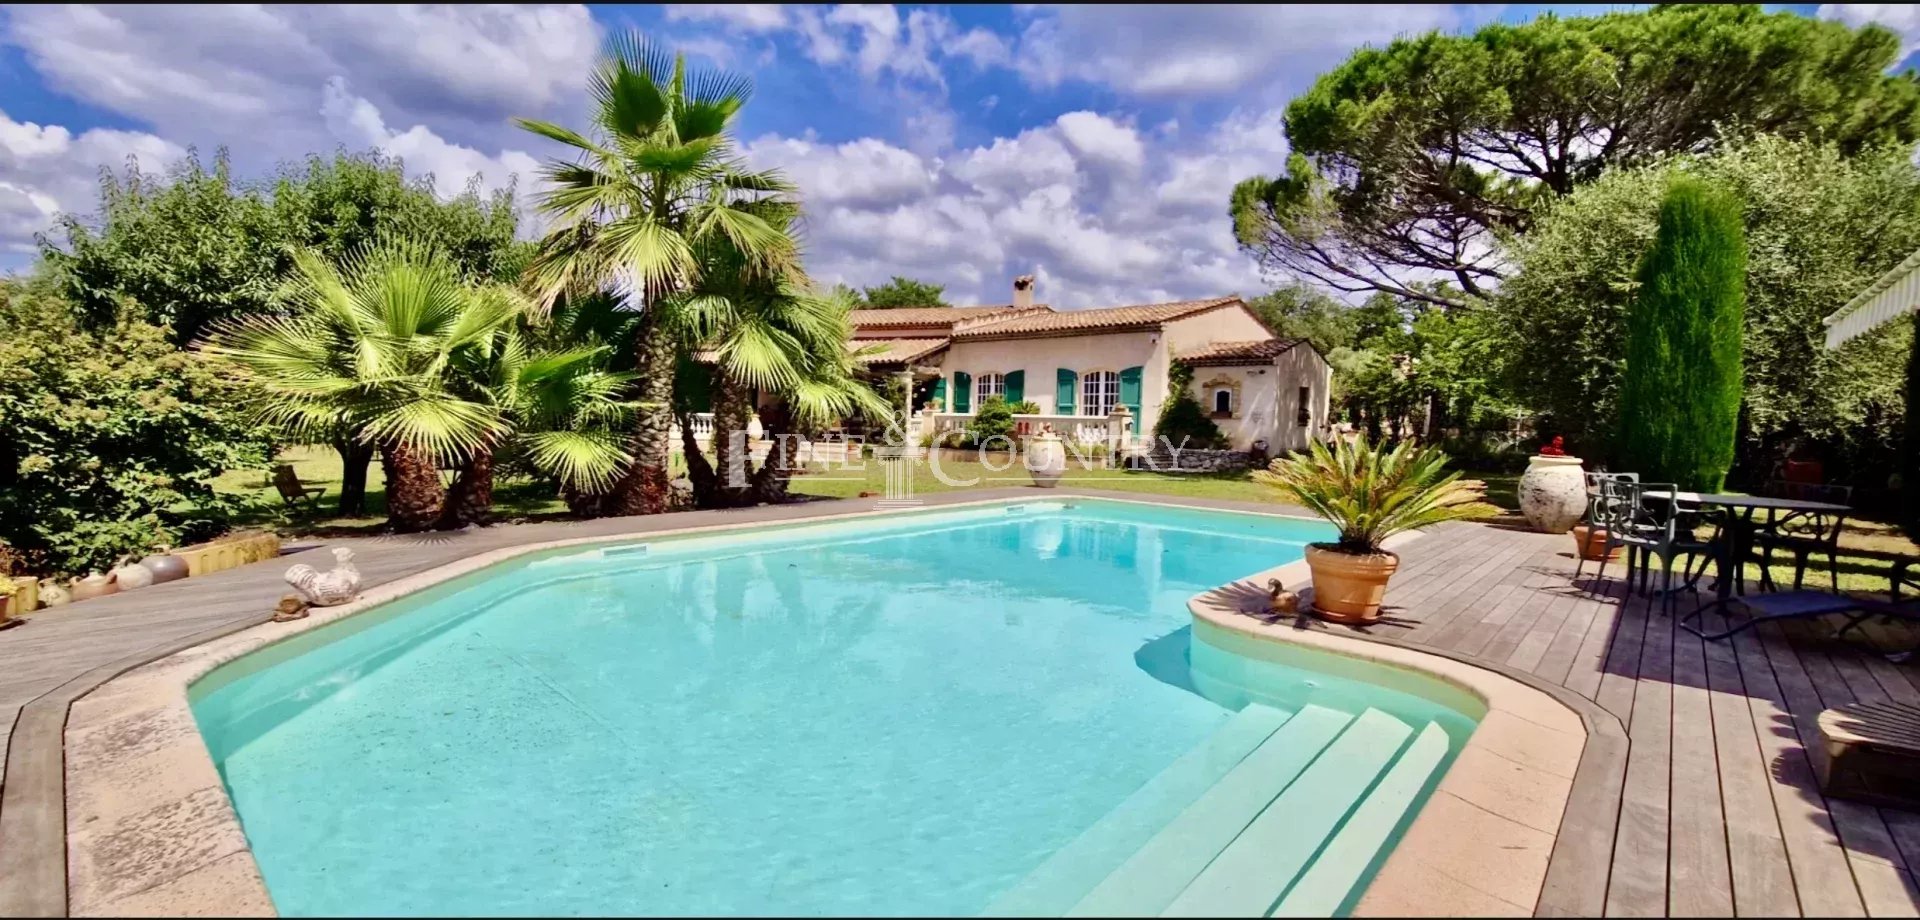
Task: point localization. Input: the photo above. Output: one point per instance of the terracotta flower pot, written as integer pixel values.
(1592, 544)
(1347, 587)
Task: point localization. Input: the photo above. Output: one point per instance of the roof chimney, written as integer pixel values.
(1023, 291)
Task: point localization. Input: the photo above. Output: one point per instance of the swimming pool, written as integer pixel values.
(993, 710)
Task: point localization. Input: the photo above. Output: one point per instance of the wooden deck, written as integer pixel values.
(1710, 807)
(1696, 795)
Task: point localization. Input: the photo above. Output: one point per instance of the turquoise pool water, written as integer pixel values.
(998, 710)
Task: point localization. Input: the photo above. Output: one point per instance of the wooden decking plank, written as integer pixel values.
(1621, 677)
(1757, 854)
(1460, 586)
(1507, 587)
(1822, 871)
(1589, 665)
(1525, 600)
(1638, 887)
(1592, 611)
(1565, 601)
(1698, 880)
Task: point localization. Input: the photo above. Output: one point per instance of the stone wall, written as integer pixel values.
(1193, 460)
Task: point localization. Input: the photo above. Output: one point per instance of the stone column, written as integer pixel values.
(1119, 422)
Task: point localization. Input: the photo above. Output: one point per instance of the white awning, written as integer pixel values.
(1889, 297)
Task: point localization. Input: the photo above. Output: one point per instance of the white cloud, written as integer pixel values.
(1041, 201)
(46, 170)
(215, 73)
(866, 172)
(1902, 18)
(743, 17)
(1194, 49)
(358, 123)
(1102, 139)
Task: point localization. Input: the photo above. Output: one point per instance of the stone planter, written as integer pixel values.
(92, 586)
(1046, 459)
(1592, 544)
(1348, 587)
(1553, 493)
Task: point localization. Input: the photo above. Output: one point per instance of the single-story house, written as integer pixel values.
(1078, 365)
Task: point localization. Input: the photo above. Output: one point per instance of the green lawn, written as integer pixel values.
(520, 501)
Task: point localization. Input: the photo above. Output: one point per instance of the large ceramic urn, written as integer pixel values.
(1553, 493)
(1046, 459)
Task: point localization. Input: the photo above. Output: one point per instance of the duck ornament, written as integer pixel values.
(330, 588)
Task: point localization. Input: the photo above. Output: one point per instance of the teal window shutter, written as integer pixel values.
(962, 391)
(940, 393)
(1130, 393)
(1016, 386)
(1066, 387)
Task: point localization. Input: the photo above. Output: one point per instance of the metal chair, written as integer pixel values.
(1604, 514)
(1652, 530)
(1804, 533)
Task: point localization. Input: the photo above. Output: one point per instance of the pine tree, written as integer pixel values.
(1680, 396)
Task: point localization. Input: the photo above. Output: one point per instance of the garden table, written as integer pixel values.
(1738, 512)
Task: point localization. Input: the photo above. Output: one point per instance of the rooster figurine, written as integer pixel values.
(327, 589)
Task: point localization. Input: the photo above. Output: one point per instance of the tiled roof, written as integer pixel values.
(1075, 322)
(1214, 354)
(897, 351)
(931, 316)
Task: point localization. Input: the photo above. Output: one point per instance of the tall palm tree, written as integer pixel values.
(654, 185)
(373, 346)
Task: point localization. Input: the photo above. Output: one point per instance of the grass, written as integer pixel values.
(524, 501)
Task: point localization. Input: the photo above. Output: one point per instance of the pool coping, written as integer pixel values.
(150, 830)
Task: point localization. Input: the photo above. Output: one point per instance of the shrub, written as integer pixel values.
(1680, 398)
(112, 438)
(1183, 422)
(1024, 407)
(993, 419)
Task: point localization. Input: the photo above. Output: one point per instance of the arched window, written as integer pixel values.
(1099, 392)
(1223, 402)
(989, 385)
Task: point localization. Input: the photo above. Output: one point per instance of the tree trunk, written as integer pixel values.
(355, 457)
(731, 412)
(699, 471)
(414, 495)
(644, 488)
(470, 499)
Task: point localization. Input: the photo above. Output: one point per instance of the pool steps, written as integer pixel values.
(1233, 827)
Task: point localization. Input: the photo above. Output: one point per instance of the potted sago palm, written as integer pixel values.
(1369, 494)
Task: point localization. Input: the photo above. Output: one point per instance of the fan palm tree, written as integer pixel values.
(567, 413)
(373, 347)
(770, 334)
(654, 186)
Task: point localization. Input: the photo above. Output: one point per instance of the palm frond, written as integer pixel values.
(1371, 494)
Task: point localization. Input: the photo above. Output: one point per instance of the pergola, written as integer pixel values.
(1889, 297)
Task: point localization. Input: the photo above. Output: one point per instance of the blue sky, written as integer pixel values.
(959, 144)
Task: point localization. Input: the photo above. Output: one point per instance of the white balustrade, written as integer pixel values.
(1078, 429)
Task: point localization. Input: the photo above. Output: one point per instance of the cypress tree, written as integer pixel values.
(1680, 396)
